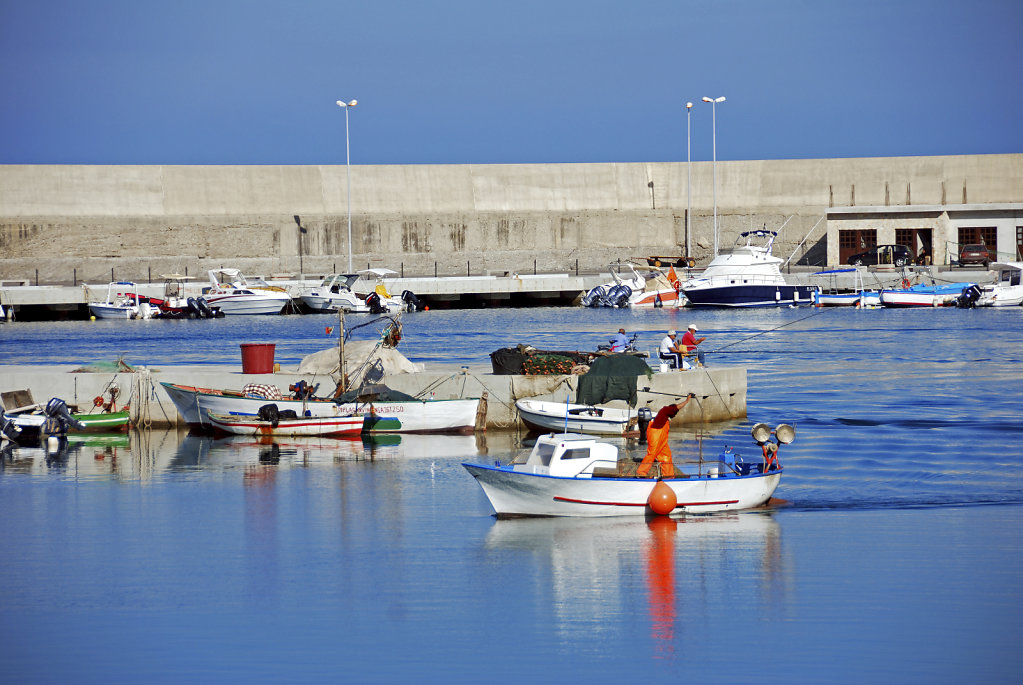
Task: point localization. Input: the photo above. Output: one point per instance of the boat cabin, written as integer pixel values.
(567, 455)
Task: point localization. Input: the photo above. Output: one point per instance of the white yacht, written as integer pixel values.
(748, 275)
(233, 293)
(334, 293)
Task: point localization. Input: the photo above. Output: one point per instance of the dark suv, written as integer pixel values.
(899, 255)
(975, 254)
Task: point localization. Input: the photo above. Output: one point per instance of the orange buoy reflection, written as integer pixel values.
(661, 578)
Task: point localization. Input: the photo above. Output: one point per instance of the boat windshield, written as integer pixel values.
(576, 453)
(544, 451)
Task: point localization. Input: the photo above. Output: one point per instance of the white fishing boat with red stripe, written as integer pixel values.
(569, 474)
(302, 425)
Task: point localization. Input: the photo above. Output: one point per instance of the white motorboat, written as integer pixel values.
(922, 295)
(123, 302)
(631, 288)
(748, 275)
(380, 301)
(177, 305)
(334, 293)
(1007, 290)
(233, 293)
(300, 426)
(858, 296)
(568, 474)
(421, 416)
(577, 418)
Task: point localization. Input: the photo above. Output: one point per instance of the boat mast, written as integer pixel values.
(343, 383)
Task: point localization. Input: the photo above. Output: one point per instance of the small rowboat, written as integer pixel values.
(576, 418)
(303, 425)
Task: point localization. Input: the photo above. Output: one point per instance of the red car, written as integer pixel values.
(975, 254)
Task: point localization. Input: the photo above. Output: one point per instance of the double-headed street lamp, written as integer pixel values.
(714, 128)
(348, 168)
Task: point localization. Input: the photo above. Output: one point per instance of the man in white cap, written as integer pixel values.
(670, 351)
(690, 341)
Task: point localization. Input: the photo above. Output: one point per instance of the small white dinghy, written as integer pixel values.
(576, 418)
(303, 425)
(568, 474)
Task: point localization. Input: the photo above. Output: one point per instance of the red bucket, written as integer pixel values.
(257, 357)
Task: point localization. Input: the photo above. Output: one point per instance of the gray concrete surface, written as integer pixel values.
(63, 223)
(721, 391)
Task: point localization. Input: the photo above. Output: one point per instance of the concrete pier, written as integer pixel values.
(720, 391)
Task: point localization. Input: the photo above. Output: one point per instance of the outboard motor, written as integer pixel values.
(411, 301)
(8, 428)
(194, 312)
(270, 412)
(645, 416)
(610, 296)
(374, 304)
(968, 298)
(621, 299)
(56, 409)
(593, 297)
(204, 308)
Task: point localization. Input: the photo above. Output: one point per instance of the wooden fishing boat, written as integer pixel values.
(576, 418)
(568, 474)
(300, 426)
(414, 415)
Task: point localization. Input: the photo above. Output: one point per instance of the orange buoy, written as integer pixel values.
(662, 499)
(328, 329)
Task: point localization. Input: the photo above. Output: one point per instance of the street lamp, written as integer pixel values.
(348, 168)
(714, 128)
(689, 173)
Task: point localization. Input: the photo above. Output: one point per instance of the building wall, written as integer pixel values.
(71, 222)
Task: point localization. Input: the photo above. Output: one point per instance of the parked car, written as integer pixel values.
(975, 254)
(899, 255)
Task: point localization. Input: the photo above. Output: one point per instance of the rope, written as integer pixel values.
(770, 330)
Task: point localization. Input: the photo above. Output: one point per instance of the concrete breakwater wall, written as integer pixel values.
(720, 392)
(67, 224)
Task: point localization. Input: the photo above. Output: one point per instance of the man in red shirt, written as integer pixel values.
(690, 341)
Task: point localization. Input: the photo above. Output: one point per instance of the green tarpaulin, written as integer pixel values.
(612, 378)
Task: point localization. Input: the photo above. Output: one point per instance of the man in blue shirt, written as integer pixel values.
(620, 342)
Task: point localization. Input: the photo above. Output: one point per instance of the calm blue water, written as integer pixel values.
(162, 557)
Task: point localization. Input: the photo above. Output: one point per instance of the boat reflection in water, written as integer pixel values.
(599, 568)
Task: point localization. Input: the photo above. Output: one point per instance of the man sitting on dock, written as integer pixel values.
(620, 342)
(689, 341)
(670, 351)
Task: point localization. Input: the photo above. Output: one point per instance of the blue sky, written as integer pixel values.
(472, 81)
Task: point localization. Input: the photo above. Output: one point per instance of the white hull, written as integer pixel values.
(332, 303)
(550, 416)
(517, 493)
(667, 298)
(233, 303)
(420, 416)
(996, 296)
(864, 300)
(112, 311)
(305, 426)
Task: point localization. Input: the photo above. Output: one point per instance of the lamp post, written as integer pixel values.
(348, 169)
(714, 128)
(689, 174)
